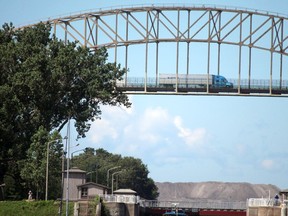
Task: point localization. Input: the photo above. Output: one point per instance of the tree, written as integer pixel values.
(133, 175)
(136, 177)
(45, 82)
(33, 168)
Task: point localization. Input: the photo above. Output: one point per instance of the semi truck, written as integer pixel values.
(194, 80)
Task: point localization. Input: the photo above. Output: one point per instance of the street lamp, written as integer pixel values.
(67, 174)
(91, 175)
(108, 173)
(47, 165)
(75, 152)
(113, 179)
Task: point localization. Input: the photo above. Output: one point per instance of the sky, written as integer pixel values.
(184, 138)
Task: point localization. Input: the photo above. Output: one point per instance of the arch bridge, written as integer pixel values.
(187, 49)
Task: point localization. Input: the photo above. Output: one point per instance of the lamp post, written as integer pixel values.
(67, 175)
(113, 179)
(91, 175)
(75, 152)
(108, 173)
(47, 165)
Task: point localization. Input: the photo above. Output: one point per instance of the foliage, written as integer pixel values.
(33, 169)
(104, 210)
(44, 82)
(24, 208)
(132, 173)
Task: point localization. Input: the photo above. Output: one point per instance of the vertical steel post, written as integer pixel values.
(126, 48)
(188, 45)
(271, 55)
(116, 37)
(47, 171)
(146, 53)
(157, 49)
(67, 168)
(240, 55)
(250, 53)
(85, 31)
(208, 60)
(177, 50)
(54, 27)
(281, 54)
(219, 44)
(96, 30)
(188, 51)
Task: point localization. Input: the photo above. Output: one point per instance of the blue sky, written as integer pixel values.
(185, 138)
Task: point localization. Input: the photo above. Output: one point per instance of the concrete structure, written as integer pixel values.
(264, 211)
(76, 177)
(91, 189)
(79, 188)
(266, 207)
(125, 192)
(123, 209)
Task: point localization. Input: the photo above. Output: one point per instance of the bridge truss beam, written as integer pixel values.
(250, 33)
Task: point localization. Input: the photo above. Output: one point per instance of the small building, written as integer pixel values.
(284, 193)
(91, 189)
(125, 192)
(76, 177)
(78, 188)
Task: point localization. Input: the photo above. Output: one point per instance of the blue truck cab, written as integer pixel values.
(221, 81)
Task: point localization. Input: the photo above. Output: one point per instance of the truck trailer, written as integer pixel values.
(194, 80)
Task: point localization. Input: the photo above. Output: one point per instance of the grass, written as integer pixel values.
(32, 208)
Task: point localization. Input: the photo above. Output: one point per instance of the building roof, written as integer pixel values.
(125, 191)
(93, 184)
(284, 191)
(75, 170)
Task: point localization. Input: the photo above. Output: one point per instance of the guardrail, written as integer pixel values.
(255, 202)
(196, 204)
(130, 199)
(193, 204)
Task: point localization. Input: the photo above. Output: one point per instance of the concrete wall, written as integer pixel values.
(264, 211)
(74, 180)
(122, 209)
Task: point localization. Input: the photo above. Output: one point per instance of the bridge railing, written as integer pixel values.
(198, 204)
(252, 84)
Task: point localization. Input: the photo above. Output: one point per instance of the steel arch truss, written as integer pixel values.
(184, 26)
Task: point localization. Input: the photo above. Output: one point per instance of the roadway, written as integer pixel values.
(252, 89)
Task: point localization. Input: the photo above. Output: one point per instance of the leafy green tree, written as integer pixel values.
(45, 82)
(133, 175)
(33, 169)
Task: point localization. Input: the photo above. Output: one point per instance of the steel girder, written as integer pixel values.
(212, 25)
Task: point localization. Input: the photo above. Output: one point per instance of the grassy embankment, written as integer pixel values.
(34, 208)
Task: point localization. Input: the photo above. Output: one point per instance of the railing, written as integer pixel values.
(130, 199)
(254, 202)
(196, 204)
(193, 204)
(252, 86)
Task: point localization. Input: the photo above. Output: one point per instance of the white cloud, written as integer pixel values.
(192, 138)
(111, 123)
(103, 129)
(267, 164)
(152, 124)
